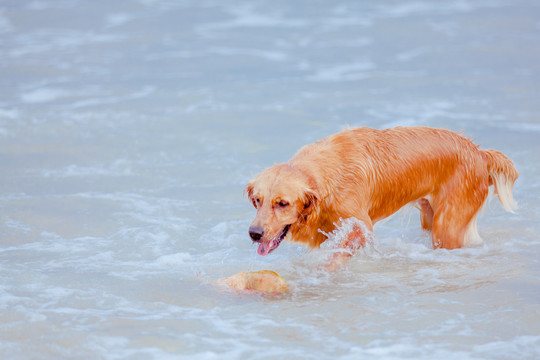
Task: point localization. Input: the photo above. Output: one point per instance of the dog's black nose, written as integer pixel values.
(256, 232)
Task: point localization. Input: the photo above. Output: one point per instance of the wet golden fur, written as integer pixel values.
(370, 174)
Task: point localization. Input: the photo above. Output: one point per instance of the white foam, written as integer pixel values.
(119, 167)
(5, 23)
(413, 8)
(411, 54)
(173, 259)
(38, 5)
(340, 233)
(518, 126)
(43, 95)
(10, 114)
(528, 346)
(13, 223)
(248, 17)
(265, 54)
(343, 72)
(108, 100)
(46, 40)
(118, 19)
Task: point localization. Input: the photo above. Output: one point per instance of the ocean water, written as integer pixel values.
(128, 130)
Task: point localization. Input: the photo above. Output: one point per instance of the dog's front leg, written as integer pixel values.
(355, 240)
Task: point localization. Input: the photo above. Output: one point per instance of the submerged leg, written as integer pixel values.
(354, 240)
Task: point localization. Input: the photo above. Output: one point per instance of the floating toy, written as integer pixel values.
(262, 281)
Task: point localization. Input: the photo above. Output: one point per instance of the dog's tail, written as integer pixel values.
(502, 174)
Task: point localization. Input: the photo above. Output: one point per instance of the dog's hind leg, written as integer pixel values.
(456, 207)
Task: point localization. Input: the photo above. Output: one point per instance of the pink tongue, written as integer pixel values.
(264, 248)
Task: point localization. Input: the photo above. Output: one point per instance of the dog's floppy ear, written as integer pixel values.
(311, 199)
(249, 189)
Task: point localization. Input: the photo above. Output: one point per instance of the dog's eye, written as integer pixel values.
(256, 202)
(283, 203)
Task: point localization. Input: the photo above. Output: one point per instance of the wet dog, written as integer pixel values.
(370, 174)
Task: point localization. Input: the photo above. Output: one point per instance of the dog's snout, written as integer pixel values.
(256, 232)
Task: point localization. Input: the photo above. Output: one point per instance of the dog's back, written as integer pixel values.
(372, 173)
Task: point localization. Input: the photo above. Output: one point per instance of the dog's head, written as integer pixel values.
(284, 197)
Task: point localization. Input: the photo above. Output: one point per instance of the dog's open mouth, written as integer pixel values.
(266, 247)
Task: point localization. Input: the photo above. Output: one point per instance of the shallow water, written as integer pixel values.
(129, 128)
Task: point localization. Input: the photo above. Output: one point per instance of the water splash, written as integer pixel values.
(343, 229)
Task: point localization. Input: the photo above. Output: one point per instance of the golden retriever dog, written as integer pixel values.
(370, 174)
